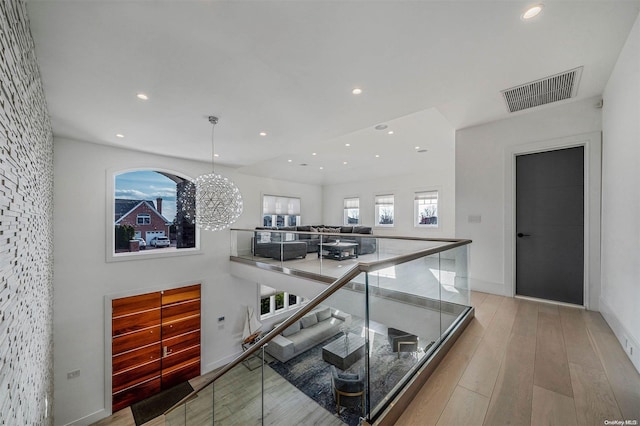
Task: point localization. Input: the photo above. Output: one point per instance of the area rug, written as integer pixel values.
(311, 375)
(157, 404)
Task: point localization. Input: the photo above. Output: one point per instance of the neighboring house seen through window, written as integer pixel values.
(156, 208)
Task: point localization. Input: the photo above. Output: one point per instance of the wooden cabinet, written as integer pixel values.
(155, 343)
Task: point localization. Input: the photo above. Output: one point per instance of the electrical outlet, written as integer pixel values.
(73, 374)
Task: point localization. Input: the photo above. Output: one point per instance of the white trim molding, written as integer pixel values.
(592, 143)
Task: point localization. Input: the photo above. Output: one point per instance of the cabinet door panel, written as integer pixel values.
(133, 304)
(173, 377)
(181, 327)
(182, 342)
(181, 294)
(176, 360)
(135, 340)
(134, 322)
(180, 310)
(135, 376)
(129, 396)
(136, 357)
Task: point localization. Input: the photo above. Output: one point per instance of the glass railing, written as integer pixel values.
(347, 353)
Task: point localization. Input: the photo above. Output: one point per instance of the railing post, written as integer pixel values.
(262, 385)
(366, 343)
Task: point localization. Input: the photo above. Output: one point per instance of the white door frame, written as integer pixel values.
(592, 143)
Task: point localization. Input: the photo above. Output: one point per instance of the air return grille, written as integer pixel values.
(544, 91)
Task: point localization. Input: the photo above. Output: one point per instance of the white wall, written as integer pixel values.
(620, 303)
(482, 162)
(82, 277)
(438, 173)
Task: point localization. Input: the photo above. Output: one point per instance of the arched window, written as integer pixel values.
(153, 213)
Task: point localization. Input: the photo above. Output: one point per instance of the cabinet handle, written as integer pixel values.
(166, 351)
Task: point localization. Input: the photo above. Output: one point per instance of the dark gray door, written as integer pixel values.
(550, 225)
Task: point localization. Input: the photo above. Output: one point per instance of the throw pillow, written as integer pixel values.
(323, 314)
(309, 320)
(333, 230)
(312, 229)
(265, 237)
(361, 229)
(292, 329)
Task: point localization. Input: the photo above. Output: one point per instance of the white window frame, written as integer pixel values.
(143, 216)
(110, 255)
(351, 204)
(418, 206)
(380, 202)
(287, 207)
(272, 304)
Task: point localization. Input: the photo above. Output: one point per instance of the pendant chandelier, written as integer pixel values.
(218, 199)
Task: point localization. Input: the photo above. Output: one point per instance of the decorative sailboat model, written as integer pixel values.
(251, 326)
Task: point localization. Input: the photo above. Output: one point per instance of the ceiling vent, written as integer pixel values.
(544, 91)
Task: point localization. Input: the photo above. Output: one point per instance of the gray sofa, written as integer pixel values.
(313, 234)
(315, 327)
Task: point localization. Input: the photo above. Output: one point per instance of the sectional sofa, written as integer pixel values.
(268, 244)
(313, 328)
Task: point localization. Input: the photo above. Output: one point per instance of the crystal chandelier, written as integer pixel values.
(218, 200)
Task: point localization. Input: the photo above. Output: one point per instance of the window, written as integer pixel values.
(145, 197)
(280, 211)
(384, 210)
(143, 219)
(273, 301)
(351, 211)
(425, 210)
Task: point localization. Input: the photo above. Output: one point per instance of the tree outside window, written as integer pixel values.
(351, 211)
(426, 209)
(384, 210)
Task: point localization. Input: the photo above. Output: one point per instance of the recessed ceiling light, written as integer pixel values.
(289, 161)
(422, 150)
(321, 168)
(356, 91)
(216, 155)
(381, 127)
(119, 135)
(347, 144)
(390, 132)
(345, 163)
(142, 96)
(417, 147)
(532, 12)
(377, 155)
(263, 133)
(314, 153)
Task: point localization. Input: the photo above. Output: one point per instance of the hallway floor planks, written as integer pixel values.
(526, 363)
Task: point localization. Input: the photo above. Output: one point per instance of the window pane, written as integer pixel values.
(279, 301)
(384, 210)
(293, 299)
(264, 306)
(426, 208)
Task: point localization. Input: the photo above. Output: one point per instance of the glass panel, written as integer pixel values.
(405, 339)
(237, 395)
(303, 380)
(177, 417)
(199, 410)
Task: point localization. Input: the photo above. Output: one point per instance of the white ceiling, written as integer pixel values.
(288, 67)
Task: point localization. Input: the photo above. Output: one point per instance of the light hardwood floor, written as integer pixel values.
(517, 363)
(525, 363)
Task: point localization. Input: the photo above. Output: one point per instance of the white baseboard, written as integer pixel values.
(487, 287)
(220, 363)
(623, 335)
(91, 418)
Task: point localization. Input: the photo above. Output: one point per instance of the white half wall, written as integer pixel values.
(82, 277)
(481, 166)
(621, 197)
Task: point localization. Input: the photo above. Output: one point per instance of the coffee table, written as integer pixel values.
(338, 250)
(343, 354)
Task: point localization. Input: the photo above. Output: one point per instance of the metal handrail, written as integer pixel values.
(322, 296)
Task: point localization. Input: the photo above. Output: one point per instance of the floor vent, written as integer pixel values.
(544, 91)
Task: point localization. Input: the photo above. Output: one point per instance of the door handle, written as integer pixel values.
(520, 235)
(166, 351)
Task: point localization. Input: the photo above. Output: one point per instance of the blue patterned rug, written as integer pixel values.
(310, 373)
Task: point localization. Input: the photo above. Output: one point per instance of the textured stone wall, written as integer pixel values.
(26, 228)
